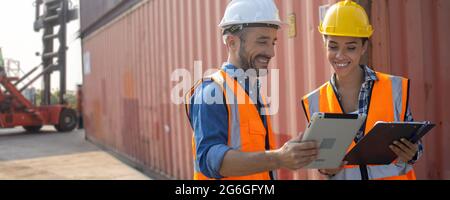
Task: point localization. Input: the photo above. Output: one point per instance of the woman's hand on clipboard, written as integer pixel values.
(404, 149)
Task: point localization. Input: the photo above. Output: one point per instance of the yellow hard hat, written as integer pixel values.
(346, 18)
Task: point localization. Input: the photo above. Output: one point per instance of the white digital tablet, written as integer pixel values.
(333, 133)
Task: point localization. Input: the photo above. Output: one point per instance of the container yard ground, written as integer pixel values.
(53, 155)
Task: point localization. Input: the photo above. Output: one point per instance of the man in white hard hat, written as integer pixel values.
(233, 137)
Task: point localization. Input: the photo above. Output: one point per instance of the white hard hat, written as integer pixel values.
(251, 12)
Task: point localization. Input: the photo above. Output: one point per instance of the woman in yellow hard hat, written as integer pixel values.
(357, 89)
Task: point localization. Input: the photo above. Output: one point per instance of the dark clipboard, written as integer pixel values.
(374, 147)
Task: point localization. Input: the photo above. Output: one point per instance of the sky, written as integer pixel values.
(19, 41)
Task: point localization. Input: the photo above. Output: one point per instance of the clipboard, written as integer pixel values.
(334, 133)
(374, 147)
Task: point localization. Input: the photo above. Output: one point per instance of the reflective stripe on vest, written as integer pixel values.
(388, 102)
(246, 131)
(397, 171)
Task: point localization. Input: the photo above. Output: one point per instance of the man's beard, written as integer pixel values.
(245, 62)
(248, 64)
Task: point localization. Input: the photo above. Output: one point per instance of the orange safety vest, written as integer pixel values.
(388, 103)
(246, 131)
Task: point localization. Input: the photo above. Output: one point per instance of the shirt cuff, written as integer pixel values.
(414, 159)
(214, 159)
(417, 156)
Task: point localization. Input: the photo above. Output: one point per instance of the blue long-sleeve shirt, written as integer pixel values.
(209, 119)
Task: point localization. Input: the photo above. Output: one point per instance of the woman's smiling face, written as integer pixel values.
(344, 53)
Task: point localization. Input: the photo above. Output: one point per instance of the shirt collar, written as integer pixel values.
(239, 75)
(233, 71)
(369, 75)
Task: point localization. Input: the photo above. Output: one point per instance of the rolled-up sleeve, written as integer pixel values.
(209, 117)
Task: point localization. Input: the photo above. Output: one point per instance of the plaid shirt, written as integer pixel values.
(369, 79)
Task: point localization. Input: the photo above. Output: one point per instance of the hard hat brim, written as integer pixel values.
(367, 35)
(278, 23)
